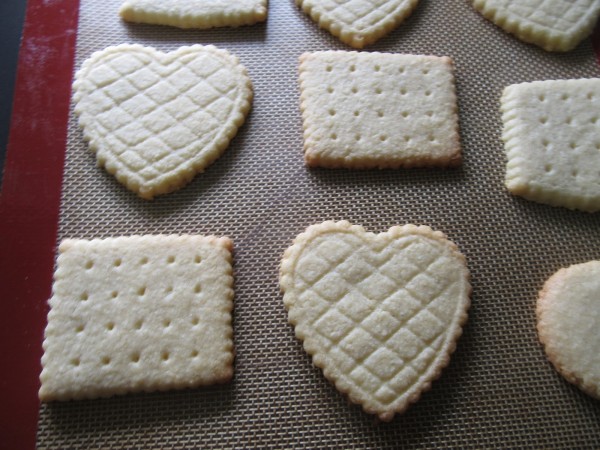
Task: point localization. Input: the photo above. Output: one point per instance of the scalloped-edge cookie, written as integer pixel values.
(552, 140)
(138, 313)
(198, 14)
(157, 119)
(378, 110)
(358, 23)
(554, 25)
(379, 313)
(568, 324)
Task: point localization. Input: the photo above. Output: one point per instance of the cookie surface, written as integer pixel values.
(157, 119)
(568, 323)
(368, 110)
(554, 25)
(552, 141)
(195, 13)
(139, 313)
(358, 22)
(380, 314)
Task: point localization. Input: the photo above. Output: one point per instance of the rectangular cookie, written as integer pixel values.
(377, 110)
(139, 313)
(199, 14)
(552, 141)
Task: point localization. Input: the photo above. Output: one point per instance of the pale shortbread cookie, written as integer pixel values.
(365, 110)
(380, 314)
(195, 13)
(156, 119)
(554, 25)
(568, 314)
(358, 22)
(552, 141)
(138, 313)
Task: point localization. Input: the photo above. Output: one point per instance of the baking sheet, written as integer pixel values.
(499, 390)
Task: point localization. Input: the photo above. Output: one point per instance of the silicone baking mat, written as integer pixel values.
(498, 391)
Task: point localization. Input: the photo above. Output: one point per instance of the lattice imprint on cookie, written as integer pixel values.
(377, 110)
(554, 25)
(358, 23)
(195, 13)
(139, 313)
(157, 119)
(552, 140)
(382, 315)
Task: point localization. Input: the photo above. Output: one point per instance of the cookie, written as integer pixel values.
(379, 313)
(194, 13)
(358, 22)
(378, 110)
(568, 324)
(552, 140)
(554, 25)
(139, 313)
(157, 119)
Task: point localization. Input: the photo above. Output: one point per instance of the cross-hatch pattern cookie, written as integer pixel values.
(138, 313)
(568, 323)
(358, 22)
(552, 141)
(195, 13)
(157, 119)
(367, 110)
(380, 314)
(554, 25)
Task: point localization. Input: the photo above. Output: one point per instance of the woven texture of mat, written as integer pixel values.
(498, 391)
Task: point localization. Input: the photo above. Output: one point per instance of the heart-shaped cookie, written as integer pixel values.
(380, 314)
(156, 119)
(554, 25)
(358, 22)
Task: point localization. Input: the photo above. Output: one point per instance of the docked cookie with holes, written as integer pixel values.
(378, 110)
(358, 22)
(552, 140)
(198, 14)
(379, 313)
(138, 313)
(157, 119)
(554, 25)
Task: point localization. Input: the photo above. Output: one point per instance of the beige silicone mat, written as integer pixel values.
(499, 390)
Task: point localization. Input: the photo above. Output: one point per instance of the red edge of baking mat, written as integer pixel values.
(29, 206)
